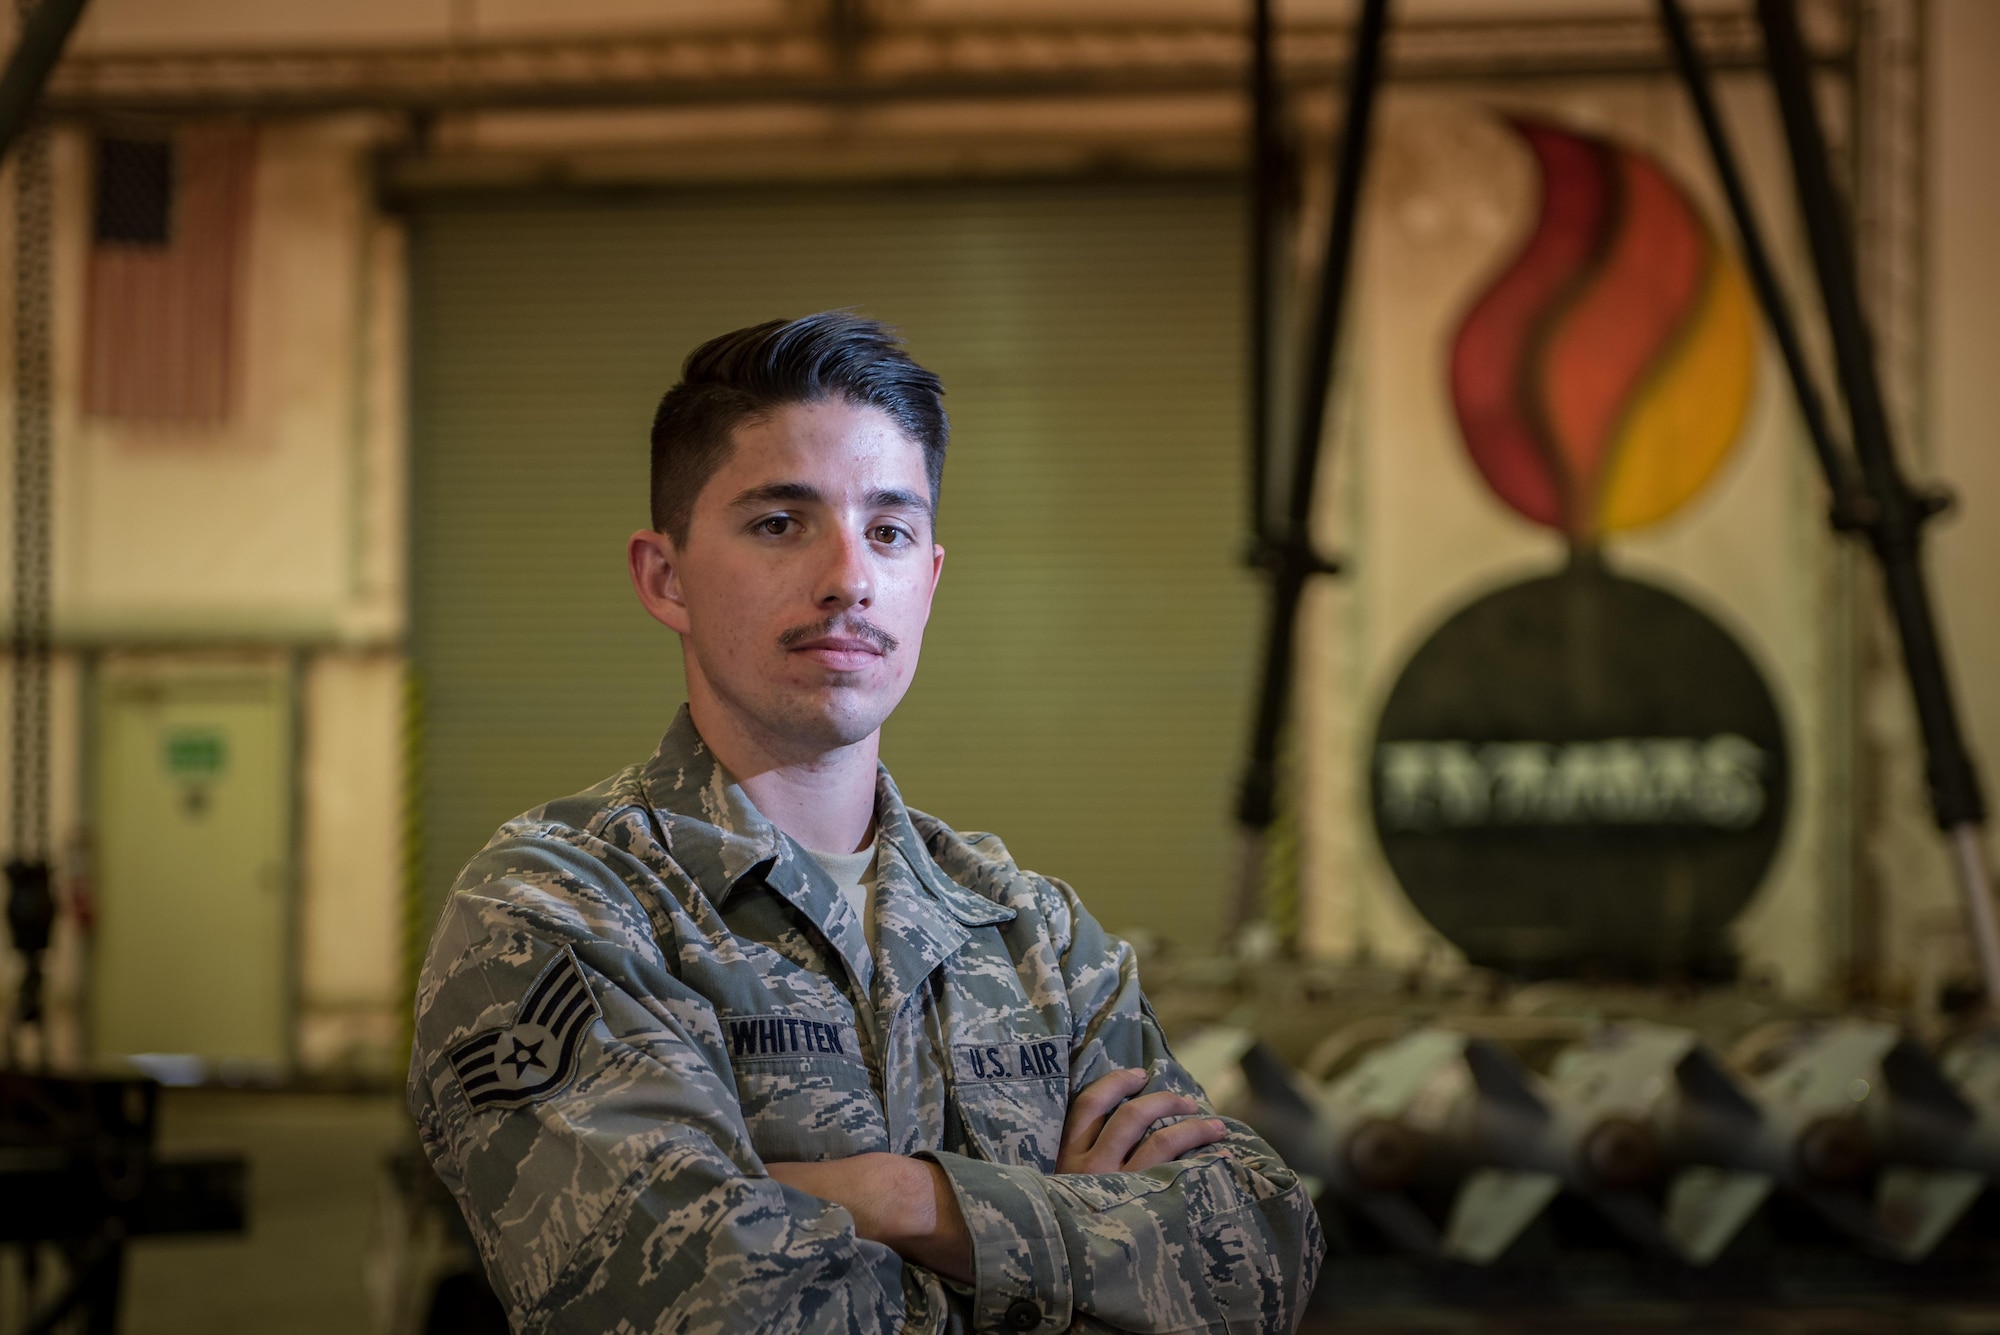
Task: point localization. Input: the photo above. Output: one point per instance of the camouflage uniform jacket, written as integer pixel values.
(638, 996)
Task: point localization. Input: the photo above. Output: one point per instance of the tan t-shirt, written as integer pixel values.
(854, 874)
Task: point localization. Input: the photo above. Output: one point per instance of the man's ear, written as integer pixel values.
(656, 578)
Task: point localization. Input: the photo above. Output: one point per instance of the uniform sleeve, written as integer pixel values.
(627, 1197)
(1213, 1241)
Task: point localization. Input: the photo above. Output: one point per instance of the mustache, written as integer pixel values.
(852, 627)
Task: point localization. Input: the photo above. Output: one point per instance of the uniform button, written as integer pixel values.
(1023, 1315)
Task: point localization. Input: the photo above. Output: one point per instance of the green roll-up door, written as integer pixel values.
(1086, 676)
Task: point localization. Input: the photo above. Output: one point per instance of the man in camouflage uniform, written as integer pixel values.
(681, 1076)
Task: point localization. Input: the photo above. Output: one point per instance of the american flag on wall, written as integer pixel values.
(170, 231)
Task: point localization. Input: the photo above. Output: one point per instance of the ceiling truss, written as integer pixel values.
(848, 62)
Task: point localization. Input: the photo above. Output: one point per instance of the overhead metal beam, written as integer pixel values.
(885, 63)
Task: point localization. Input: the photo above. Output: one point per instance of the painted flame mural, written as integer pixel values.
(1602, 378)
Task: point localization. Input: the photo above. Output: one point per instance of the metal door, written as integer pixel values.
(193, 814)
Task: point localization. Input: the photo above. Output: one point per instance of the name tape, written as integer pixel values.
(1037, 1059)
(765, 1037)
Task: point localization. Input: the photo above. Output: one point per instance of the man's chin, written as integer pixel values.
(835, 718)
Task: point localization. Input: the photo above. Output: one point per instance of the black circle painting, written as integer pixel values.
(1584, 773)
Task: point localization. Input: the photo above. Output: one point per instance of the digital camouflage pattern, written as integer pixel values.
(740, 1019)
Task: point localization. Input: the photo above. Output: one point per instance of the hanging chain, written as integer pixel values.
(28, 827)
(31, 906)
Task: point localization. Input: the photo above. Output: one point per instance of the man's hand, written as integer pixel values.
(903, 1203)
(1105, 1131)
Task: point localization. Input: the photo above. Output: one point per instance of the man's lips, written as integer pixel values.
(840, 652)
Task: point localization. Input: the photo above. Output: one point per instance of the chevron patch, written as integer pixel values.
(535, 1055)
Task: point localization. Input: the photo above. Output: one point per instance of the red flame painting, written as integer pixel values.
(1604, 375)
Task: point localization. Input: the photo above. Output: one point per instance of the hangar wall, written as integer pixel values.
(1959, 406)
(277, 535)
(283, 533)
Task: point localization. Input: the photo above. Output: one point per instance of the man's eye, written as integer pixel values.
(776, 525)
(889, 535)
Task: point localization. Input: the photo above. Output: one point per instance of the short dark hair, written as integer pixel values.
(746, 374)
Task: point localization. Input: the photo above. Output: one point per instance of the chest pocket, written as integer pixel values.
(804, 1090)
(1012, 1097)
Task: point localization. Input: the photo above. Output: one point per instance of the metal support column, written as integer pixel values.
(1288, 556)
(1884, 507)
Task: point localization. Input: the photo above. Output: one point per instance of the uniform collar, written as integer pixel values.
(712, 830)
(719, 838)
(922, 916)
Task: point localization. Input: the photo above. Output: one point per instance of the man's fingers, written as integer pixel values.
(1127, 1127)
(1093, 1103)
(1171, 1142)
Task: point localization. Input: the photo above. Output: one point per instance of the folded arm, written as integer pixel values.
(903, 1203)
(1217, 1235)
(1160, 1216)
(907, 1204)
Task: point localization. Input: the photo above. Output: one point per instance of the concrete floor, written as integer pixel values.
(315, 1170)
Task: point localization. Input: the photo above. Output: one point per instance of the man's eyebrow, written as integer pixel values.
(800, 492)
(804, 493)
(895, 498)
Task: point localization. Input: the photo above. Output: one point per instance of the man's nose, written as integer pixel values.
(847, 581)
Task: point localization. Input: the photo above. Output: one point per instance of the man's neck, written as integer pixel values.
(826, 801)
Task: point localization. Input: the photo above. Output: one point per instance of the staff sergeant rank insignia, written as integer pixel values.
(535, 1055)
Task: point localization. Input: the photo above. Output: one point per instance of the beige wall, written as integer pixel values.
(1961, 418)
(285, 521)
(283, 527)
(350, 938)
